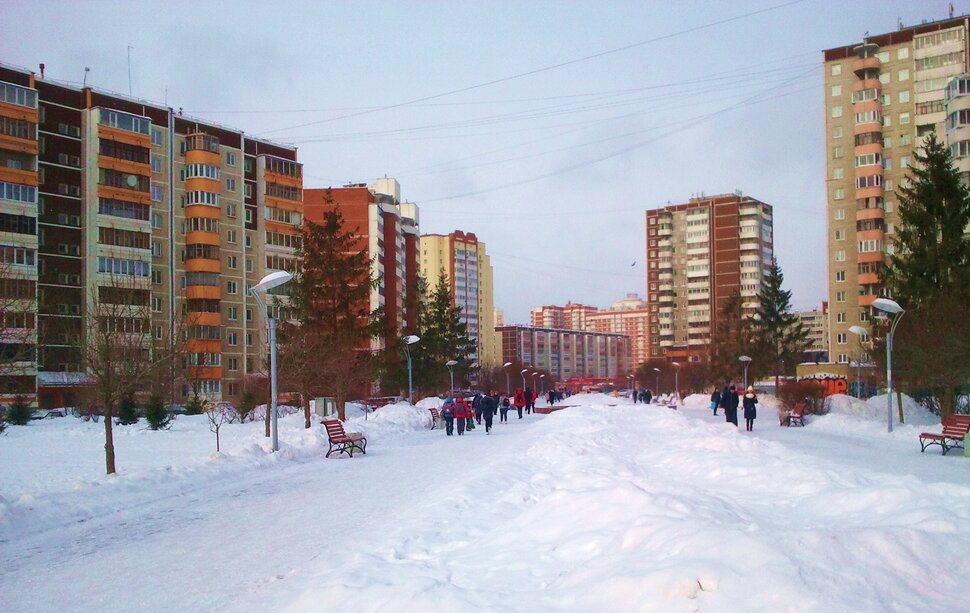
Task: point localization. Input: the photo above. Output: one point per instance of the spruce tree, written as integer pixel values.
(155, 413)
(325, 345)
(733, 338)
(127, 412)
(780, 336)
(19, 412)
(443, 337)
(932, 247)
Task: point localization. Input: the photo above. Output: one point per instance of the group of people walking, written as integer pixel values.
(465, 414)
(729, 399)
(644, 395)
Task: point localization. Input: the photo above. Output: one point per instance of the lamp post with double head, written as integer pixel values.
(508, 387)
(451, 373)
(745, 360)
(860, 332)
(408, 341)
(892, 307)
(258, 291)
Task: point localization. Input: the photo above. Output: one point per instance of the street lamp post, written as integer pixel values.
(657, 370)
(541, 377)
(273, 279)
(522, 372)
(745, 360)
(535, 383)
(451, 373)
(508, 388)
(860, 332)
(893, 308)
(676, 381)
(408, 341)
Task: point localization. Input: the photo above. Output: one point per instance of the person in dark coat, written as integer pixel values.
(530, 400)
(647, 396)
(486, 410)
(731, 410)
(750, 409)
(635, 395)
(477, 405)
(726, 400)
(715, 400)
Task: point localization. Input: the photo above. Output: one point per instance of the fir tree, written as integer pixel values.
(127, 412)
(734, 337)
(325, 344)
(780, 336)
(155, 413)
(19, 412)
(932, 255)
(443, 337)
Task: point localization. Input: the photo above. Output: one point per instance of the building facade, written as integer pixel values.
(629, 316)
(699, 254)
(387, 229)
(567, 354)
(883, 96)
(125, 201)
(464, 262)
(816, 323)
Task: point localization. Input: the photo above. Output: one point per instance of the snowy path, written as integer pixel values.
(638, 509)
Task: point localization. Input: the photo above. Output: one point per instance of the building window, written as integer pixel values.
(903, 118)
(232, 339)
(840, 255)
(840, 235)
(231, 287)
(836, 111)
(902, 53)
(231, 262)
(839, 214)
(840, 296)
(837, 152)
(836, 70)
(232, 314)
(230, 158)
(156, 137)
(156, 193)
(230, 210)
(843, 358)
(841, 338)
(836, 90)
(231, 184)
(838, 194)
(249, 215)
(904, 96)
(231, 236)
(904, 73)
(156, 164)
(249, 264)
(838, 173)
(840, 275)
(840, 318)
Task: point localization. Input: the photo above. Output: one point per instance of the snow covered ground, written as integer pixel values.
(603, 505)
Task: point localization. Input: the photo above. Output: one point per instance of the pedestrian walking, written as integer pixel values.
(461, 414)
(731, 411)
(635, 395)
(715, 400)
(726, 399)
(448, 412)
(647, 396)
(504, 410)
(477, 405)
(529, 400)
(487, 409)
(519, 400)
(750, 409)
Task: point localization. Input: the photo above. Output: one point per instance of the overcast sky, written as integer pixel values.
(546, 128)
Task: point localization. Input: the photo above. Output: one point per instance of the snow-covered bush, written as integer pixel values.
(19, 412)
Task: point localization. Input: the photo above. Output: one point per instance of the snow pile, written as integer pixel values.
(875, 408)
(431, 402)
(397, 418)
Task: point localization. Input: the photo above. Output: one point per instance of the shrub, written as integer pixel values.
(806, 390)
(127, 412)
(196, 406)
(156, 415)
(19, 412)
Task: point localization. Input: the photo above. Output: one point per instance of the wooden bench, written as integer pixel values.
(955, 428)
(342, 442)
(435, 416)
(797, 415)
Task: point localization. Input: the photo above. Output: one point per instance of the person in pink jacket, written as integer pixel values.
(461, 414)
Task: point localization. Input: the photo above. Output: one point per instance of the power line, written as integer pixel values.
(544, 69)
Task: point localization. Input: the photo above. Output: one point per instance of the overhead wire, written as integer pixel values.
(536, 71)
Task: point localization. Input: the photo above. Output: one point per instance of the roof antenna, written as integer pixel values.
(86, 71)
(42, 71)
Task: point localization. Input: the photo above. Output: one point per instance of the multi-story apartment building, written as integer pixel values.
(567, 354)
(387, 229)
(699, 253)
(464, 261)
(816, 323)
(629, 316)
(883, 95)
(136, 203)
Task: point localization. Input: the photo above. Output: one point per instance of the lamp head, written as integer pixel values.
(858, 330)
(887, 305)
(506, 365)
(656, 370)
(273, 279)
(523, 371)
(744, 358)
(450, 363)
(411, 339)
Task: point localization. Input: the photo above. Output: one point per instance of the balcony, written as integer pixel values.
(201, 142)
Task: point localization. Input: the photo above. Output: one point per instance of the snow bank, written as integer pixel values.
(398, 418)
(875, 408)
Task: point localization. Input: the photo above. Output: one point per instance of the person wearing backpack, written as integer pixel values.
(487, 410)
(448, 412)
(504, 410)
(715, 400)
(477, 405)
(519, 400)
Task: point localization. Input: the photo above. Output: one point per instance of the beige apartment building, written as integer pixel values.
(700, 253)
(628, 316)
(883, 95)
(464, 261)
(816, 323)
